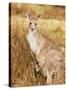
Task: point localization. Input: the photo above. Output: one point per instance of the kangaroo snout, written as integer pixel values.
(32, 29)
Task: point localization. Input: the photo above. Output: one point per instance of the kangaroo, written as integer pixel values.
(49, 57)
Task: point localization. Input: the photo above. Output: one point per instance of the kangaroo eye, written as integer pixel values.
(30, 23)
(35, 24)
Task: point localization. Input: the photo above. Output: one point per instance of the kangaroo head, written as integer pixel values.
(33, 22)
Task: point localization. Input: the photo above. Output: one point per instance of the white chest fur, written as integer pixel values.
(33, 41)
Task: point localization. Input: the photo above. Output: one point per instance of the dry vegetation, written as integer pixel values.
(51, 24)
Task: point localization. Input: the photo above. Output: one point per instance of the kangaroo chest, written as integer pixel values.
(33, 41)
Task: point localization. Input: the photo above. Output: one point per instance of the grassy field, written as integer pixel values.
(50, 24)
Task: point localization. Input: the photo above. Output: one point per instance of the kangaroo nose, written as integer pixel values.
(32, 29)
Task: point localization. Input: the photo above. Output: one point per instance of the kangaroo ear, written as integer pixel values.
(38, 16)
(29, 16)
